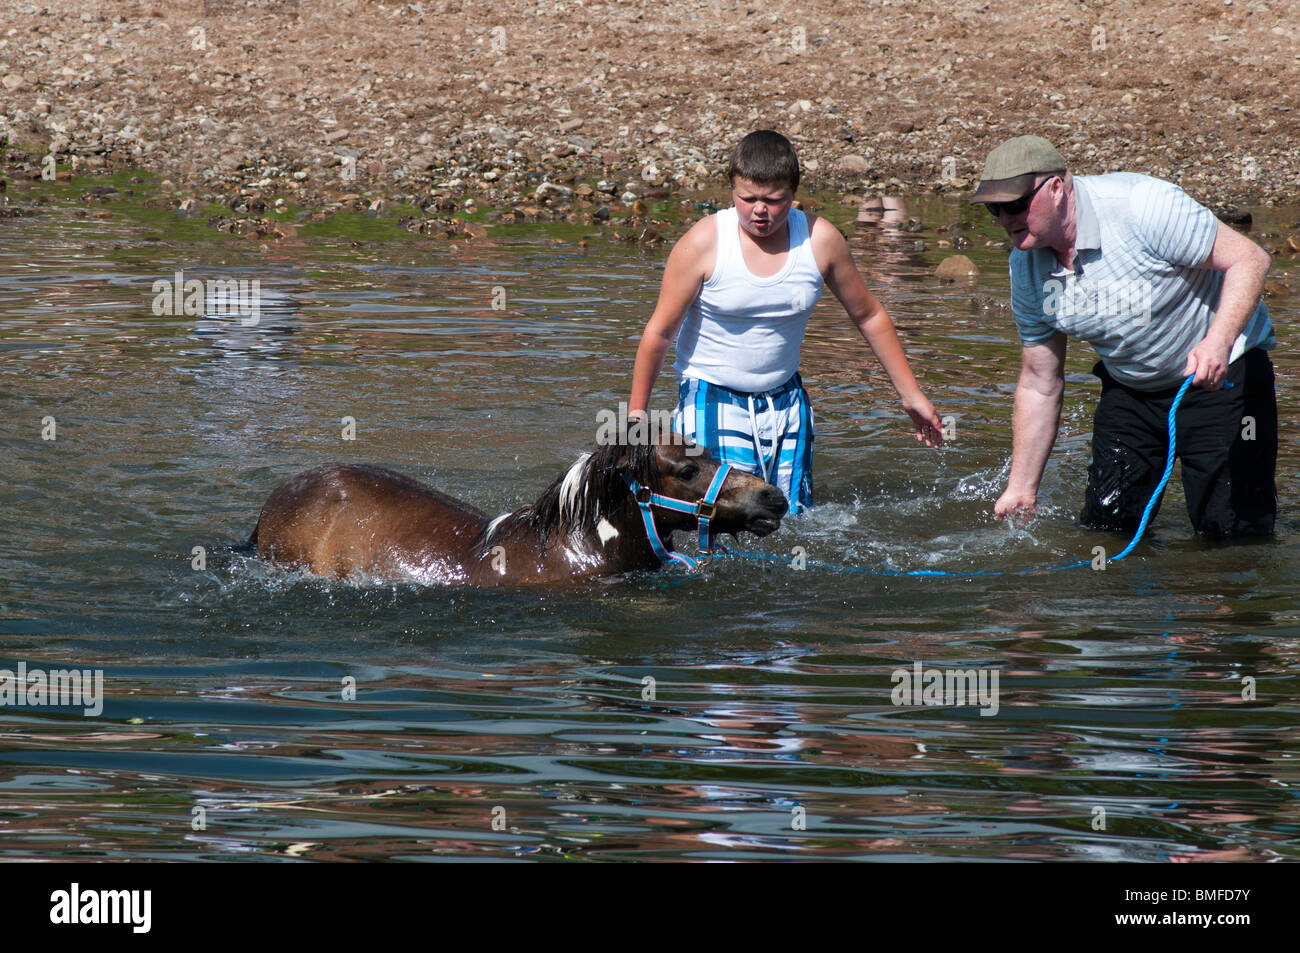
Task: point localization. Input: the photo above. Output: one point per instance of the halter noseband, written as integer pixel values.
(703, 510)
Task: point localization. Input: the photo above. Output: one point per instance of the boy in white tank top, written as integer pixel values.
(736, 295)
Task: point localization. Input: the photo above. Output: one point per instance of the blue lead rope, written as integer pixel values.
(1137, 537)
(1169, 468)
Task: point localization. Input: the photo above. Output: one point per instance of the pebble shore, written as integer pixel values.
(578, 111)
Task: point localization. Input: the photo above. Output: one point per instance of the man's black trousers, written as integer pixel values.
(1227, 447)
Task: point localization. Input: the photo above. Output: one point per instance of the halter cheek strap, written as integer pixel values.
(703, 510)
(707, 508)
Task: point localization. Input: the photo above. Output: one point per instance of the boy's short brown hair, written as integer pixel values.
(765, 157)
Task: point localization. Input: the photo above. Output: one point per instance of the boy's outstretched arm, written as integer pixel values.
(844, 280)
(683, 275)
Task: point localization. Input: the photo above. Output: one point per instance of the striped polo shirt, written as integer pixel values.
(1135, 292)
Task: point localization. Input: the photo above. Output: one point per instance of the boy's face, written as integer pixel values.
(762, 207)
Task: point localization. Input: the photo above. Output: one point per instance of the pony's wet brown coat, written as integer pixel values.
(370, 524)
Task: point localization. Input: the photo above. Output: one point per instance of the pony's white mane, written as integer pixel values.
(575, 504)
(573, 501)
(492, 526)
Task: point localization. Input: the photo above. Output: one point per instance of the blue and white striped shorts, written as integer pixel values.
(769, 435)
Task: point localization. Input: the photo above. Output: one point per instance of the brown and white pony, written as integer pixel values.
(373, 525)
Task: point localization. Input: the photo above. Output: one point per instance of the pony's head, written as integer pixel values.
(596, 488)
(683, 470)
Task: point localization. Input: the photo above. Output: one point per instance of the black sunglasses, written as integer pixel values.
(1016, 206)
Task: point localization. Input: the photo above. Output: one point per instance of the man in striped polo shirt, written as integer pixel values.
(1162, 290)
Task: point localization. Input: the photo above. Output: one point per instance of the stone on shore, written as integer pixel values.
(956, 268)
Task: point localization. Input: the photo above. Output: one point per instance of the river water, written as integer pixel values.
(1144, 712)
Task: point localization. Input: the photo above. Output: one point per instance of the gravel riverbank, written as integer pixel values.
(564, 110)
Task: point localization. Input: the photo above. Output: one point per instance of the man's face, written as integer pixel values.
(761, 207)
(1040, 223)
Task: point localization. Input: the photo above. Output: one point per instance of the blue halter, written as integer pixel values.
(704, 511)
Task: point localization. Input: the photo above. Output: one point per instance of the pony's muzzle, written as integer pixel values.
(766, 510)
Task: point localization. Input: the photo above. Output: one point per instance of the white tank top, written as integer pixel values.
(744, 332)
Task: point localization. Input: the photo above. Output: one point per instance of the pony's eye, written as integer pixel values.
(688, 472)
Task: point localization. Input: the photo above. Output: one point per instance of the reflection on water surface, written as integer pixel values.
(1120, 691)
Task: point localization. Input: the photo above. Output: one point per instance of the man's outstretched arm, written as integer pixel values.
(1034, 424)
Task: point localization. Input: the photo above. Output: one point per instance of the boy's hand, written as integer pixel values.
(929, 426)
